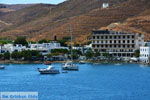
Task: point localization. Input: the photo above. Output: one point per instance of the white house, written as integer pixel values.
(145, 54)
(11, 48)
(46, 48)
(105, 5)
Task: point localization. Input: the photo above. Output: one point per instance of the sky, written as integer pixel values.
(30, 1)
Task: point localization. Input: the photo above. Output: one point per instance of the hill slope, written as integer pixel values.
(46, 21)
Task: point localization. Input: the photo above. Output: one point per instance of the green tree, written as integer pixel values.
(89, 54)
(97, 54)
(60, 51)
(106, 54)
(137, 53)
(64, 40)
(6, 55)
(21, 40)
(30, 54)
(43, 41)
(16, 55)
(1, 56)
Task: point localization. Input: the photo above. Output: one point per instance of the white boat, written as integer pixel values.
(70, 66)
(2, 67)
(82, 62)
(49, 70)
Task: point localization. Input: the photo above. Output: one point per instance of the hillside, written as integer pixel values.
(46, 21)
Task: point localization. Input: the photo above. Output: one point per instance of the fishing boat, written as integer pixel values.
(49, 70)
(2, 67)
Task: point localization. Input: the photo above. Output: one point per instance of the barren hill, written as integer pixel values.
(46, 21)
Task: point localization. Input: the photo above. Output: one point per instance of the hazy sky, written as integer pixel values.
(30, 1)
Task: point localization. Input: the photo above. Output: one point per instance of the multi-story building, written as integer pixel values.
(145, 53)
(118, 44)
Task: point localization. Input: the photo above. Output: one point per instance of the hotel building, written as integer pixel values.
(118, 44)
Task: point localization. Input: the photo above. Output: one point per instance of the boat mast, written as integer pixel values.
(70, 30)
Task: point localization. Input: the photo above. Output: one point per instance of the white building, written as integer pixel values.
(117, 44)
(145, 54)
(11, 48)
(46, 48)
(105, 5)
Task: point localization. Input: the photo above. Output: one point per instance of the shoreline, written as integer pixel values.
(86, 61)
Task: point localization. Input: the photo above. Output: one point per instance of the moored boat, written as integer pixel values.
(49, 70)
(82, 62)
(2, 67)
(47, 62)
(70, 66)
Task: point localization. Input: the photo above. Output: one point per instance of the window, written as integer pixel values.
(132, 41)
(110, 37)
(123, 41)
(93, 37)
(106, 37)
(124, 37)
(110, 41)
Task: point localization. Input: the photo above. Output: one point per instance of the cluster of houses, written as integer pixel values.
(117, 44)
(44, 48)
(121, 44)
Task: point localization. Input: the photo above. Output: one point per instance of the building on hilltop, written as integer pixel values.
(105, 5)
(117, 44)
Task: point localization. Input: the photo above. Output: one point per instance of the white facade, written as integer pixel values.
(105, 5)
(11, 48)
(46, 48)
(145, 54)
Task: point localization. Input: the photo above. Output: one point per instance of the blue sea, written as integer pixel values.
(91, 82)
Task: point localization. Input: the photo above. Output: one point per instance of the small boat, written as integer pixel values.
(49, 70)
(82, 62)
(118, 64)
(2, 67)
(47, 62)
(70, 66)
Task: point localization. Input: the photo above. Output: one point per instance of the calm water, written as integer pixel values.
(92, 82)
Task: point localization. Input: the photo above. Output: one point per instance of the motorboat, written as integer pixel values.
(70, 66)
(2, 67)
(49, 70)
